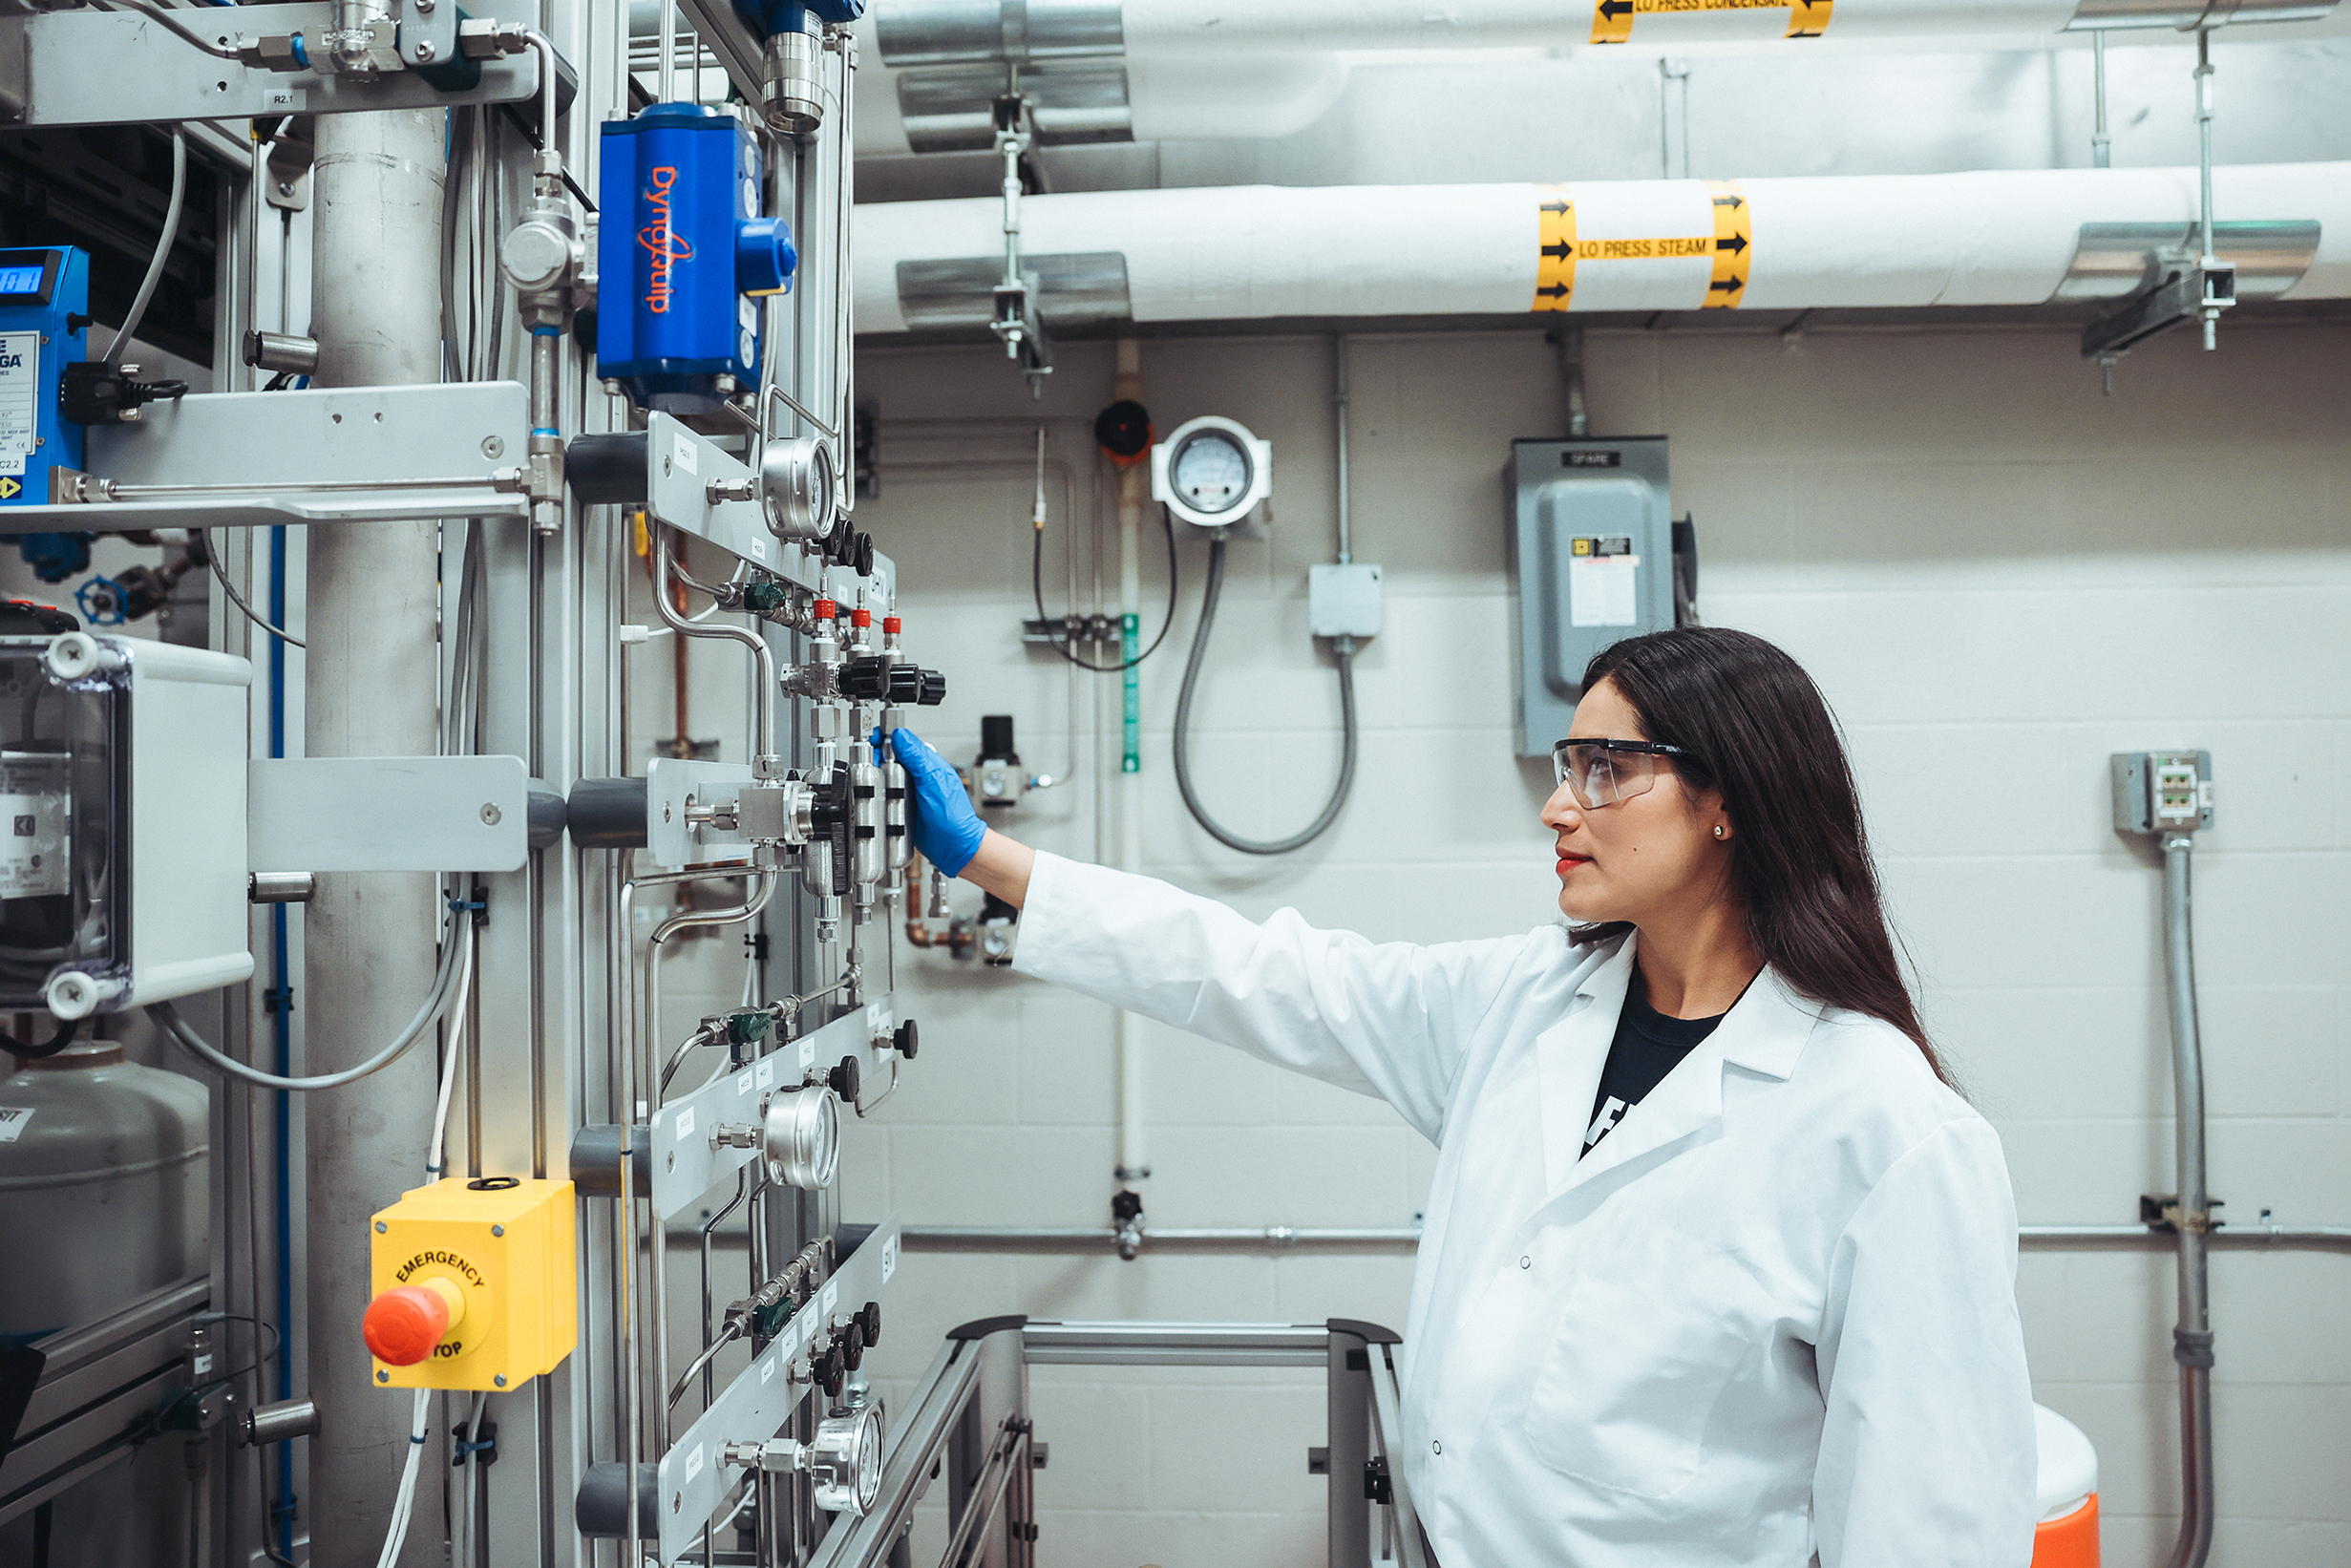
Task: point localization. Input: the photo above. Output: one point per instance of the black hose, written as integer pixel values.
(1339, 655)
(25, 1051)
(1036, 585)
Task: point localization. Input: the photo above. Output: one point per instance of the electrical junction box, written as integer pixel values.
(1344, 601)
(2161, 792)
(43, 326)
(1590, 553)
(122, 822)
(496, 1253)
(683, 256)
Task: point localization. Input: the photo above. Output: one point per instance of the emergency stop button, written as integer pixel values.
(403, 1324)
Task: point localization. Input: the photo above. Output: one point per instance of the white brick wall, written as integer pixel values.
(1997, 576)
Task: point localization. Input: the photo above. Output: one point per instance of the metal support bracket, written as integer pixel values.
(686, 1164)
(693, 1479)
(118, 67)
(684, 468)
(242, 459)
(2184, 295)
(387, 813)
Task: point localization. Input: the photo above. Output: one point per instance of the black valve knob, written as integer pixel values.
(869, 1322)
(831, 1368)
(1126, 1204)
(934, 689)
(845, 1079)
(877, 679)
(838, 542)
(864, 559)
(906, 1038)
(852, 1347)
(866, 680)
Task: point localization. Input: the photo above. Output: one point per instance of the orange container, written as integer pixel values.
(2069, 1542)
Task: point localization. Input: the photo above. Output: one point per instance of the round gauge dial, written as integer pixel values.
(1212, 472)
(845, 1461)
(801, 1138)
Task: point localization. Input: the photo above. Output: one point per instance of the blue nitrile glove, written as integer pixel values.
(947, 830)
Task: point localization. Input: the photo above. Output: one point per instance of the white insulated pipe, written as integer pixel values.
(1259, 251)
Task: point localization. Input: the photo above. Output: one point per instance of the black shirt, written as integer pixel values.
(1647, 1047)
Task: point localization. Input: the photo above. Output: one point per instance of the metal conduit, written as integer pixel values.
(1280, 1239)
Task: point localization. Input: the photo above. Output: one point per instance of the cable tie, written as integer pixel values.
(468, 903)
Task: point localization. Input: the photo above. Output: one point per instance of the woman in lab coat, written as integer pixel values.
(1718, 1270)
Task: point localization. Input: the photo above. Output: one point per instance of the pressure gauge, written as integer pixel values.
(1212, 472)
(845, 1461)
(802, 1136)
(796, 480)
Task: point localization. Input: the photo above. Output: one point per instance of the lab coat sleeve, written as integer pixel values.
(1390, 1020)
(1927, 1453)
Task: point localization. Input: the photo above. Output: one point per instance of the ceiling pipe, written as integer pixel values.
(1260, 252)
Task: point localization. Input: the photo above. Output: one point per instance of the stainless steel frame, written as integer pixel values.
(970, 1421)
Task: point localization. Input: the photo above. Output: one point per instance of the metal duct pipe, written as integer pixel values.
(935, 32)
(1254, 252)
(372, 597)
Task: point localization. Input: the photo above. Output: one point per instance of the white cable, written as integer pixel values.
(435, 1002)
(162, 248)
(435, 1153)
(395, 1535)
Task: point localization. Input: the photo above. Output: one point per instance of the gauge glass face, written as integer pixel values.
(1211, 471)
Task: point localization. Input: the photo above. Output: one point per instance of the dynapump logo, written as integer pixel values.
(668, 247)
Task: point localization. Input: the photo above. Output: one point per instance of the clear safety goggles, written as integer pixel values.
(1604, 771)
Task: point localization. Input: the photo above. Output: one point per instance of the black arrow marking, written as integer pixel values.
(1734, 245)
(1614, 8)
(1726, 285)
(1558, 206)
(1729, 202)
(1557, 290)
(1806, 32)
(1564, 250)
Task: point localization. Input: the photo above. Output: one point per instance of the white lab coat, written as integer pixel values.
(1771, 1320)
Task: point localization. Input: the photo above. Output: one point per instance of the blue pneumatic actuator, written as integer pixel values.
(683, 256)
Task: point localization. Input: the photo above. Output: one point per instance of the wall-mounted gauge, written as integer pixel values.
(802, 1136)
(1212, 472)
(796, 479)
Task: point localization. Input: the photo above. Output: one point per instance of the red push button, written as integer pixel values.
(403, 1325)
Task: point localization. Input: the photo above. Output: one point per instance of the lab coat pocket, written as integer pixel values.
(1623, 1397)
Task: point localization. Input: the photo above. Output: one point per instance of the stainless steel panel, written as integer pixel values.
(112, 68)
(693, 1479)
(686, 1164)
(387, 813)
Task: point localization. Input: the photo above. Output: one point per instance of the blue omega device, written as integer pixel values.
(43, 326)
(683, 256)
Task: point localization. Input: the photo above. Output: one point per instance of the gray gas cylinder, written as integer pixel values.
(104, 1187)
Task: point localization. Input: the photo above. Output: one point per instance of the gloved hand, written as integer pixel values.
(947, 830)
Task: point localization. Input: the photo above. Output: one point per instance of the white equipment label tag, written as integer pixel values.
(1600, 579)
(12, 1120)
(689, 454)
(36, 809)
(20, 398)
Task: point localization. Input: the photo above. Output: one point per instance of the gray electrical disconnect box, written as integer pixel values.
(1591, 562)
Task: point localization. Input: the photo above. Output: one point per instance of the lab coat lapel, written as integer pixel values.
(1764, 1033)
(1569, 1056)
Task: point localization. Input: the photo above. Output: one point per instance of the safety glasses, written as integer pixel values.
(1604, 771)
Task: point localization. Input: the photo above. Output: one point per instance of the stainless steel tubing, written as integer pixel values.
(763, 657)
(1045, 1344)
(1078, 1240)
(2192, 1342)
(2150, 1238)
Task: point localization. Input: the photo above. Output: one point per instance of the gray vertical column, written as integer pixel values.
(371, 692)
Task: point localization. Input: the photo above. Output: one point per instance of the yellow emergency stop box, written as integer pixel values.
(507, 1244)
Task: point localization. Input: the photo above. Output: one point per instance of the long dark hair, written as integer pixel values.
(1752, 725)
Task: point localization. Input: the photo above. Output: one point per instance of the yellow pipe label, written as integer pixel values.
(1555, 262)
(1612, 20)
(1733, 244)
